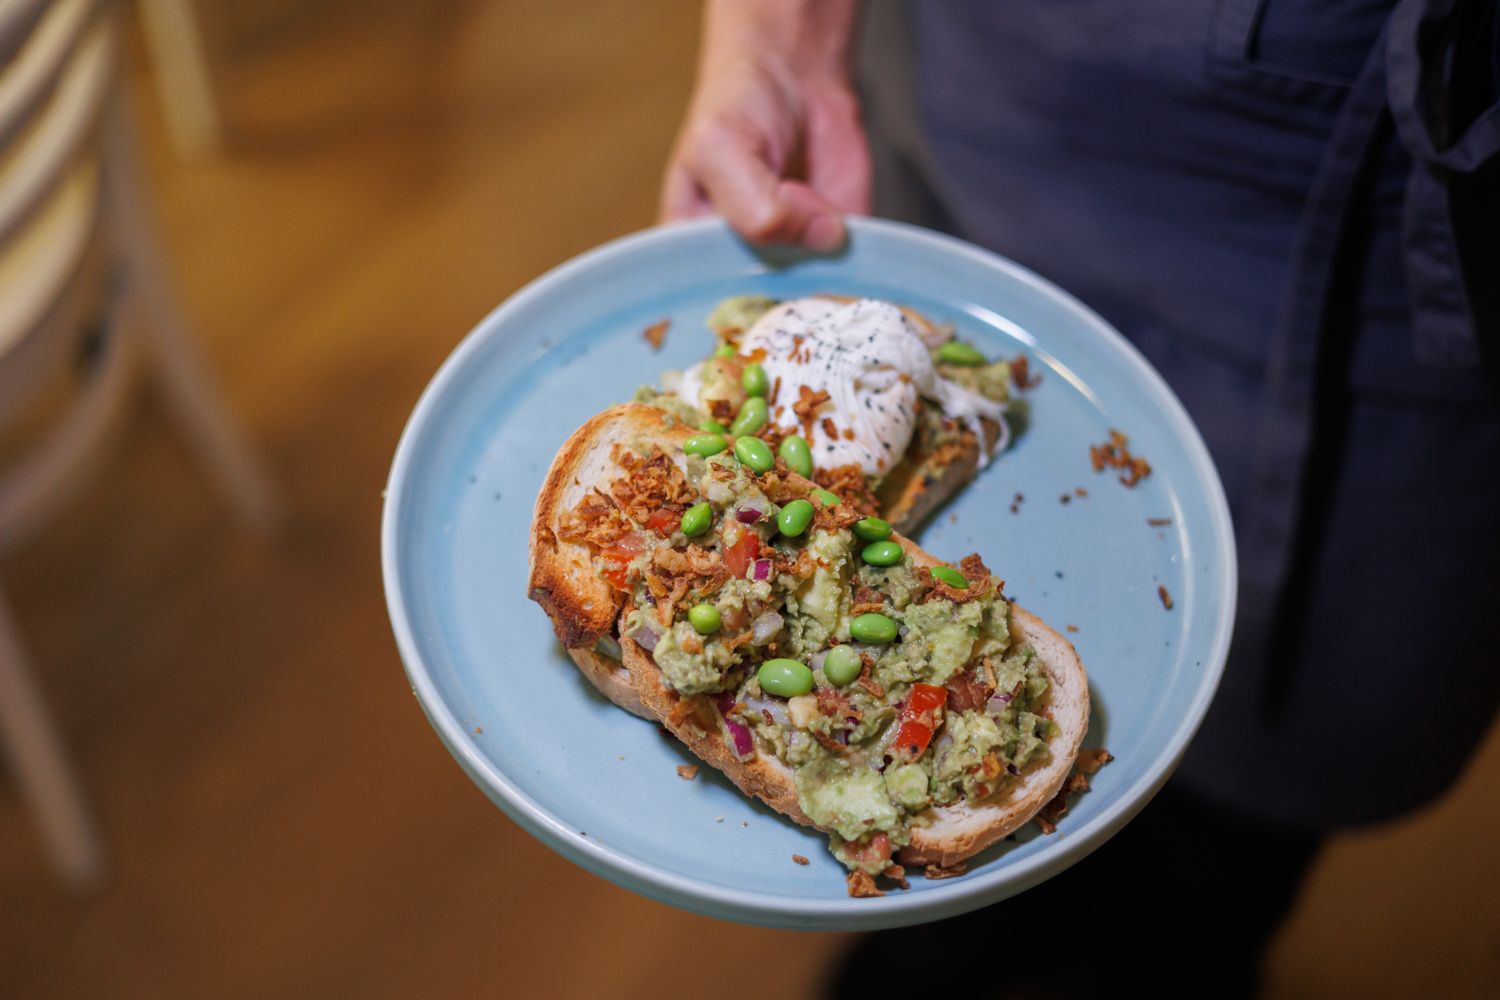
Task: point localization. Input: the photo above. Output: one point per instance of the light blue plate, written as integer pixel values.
(599, 785)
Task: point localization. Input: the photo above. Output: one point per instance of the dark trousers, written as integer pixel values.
(1183, 901)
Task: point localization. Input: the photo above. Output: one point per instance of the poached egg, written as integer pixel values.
(873, 364)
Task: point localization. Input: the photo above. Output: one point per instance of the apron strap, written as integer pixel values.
(1284, 442)
(1419, 72)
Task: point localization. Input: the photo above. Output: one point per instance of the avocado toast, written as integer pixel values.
(824, 663)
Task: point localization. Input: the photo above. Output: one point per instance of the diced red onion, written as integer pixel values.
(997, 702)
(764, 628)
(738, 733)
(748, 515)
(841, 736)
(762, 569)
(944, 742)
(1012, 769)
(775, 706)
(744, 743)
(645, 636)
(816, 663)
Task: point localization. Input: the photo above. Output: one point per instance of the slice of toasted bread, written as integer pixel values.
(564, 582)
(920, 483)
(582, 606)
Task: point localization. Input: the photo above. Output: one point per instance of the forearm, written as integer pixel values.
(814, 37)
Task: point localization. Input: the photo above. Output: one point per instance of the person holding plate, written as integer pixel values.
(1284, 206)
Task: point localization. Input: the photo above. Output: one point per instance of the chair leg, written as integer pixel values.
(175, 47)
(188, 391)
(41, 765)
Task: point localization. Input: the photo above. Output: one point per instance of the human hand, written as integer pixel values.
(772, 139)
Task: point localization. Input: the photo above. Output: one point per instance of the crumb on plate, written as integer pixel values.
(656, 333)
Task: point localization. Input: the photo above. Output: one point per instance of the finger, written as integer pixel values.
(760, 205)
(809, 220)
(839, 166)
(681, 197)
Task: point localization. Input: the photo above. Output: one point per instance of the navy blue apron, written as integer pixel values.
(1257, 192)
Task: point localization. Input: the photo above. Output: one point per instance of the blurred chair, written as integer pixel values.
(84, 289)
(175, 47)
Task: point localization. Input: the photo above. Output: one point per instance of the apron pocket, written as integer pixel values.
(1290, 52)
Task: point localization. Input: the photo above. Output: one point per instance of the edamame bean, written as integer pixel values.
(794, 518)
(697, 518)
(950, 576)
(751, 419)
(713, 427)
(882, 553)
(755, 453)
(797, 454)
(704, 444)
(754, 380)
(829, 499)
(873, 529)
(704, 618)
(956, 352)
(873, 627)
(842, 665)
(787, 678)
(724, 351)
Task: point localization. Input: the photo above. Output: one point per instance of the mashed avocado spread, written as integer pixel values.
(885, 690)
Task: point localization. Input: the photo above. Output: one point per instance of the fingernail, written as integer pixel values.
(825, 232)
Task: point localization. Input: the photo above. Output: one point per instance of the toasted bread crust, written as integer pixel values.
(694, 721)
(564, 581)
(610, 678)
(917, 486)
(582, 605)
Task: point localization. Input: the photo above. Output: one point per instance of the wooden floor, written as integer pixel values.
(281, 819)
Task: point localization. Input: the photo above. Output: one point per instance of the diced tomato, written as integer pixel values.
(617, 558)
(739, 556)
(912, 739)
(924, 698)
(874, 851)
(664, 521)
(919, 718)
